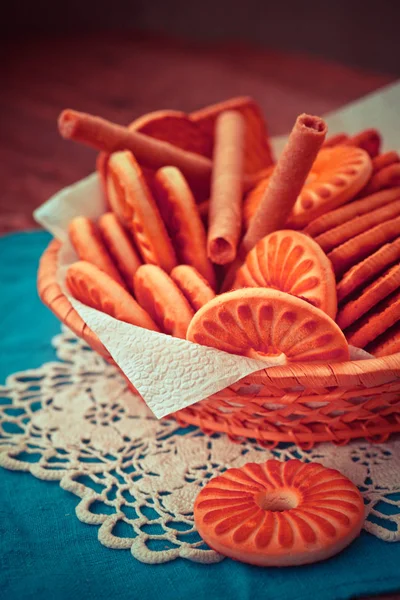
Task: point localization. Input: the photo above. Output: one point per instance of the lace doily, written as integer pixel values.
(75, 422)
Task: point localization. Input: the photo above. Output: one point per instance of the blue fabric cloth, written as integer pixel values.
(47, 553)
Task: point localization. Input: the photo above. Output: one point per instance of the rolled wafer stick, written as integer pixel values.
(225, 222)
(335, 140)
(109, 137)
(285, 184)
(368, 139)
(286, 180)
(384, 160)
(385, 178)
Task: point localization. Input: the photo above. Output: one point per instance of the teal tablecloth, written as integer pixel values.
(46, 553)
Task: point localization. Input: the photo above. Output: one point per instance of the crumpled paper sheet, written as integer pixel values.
(171, 373)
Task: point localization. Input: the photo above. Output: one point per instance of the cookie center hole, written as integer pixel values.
(273, 356)
(277, 500)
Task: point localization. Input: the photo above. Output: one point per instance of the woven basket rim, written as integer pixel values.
(352, 372)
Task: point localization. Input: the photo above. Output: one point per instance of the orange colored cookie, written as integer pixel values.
(101, 168)
(375, 322)
(337, 175)
(368, 139)
(258, 153)
(177, 128)
(386, 177)
(85, 238)
(384, 160)
(253, 199)
(96, 289)
(341, 234)
(170, 126)
(354, 250)
(203, 208)
(335, 140)
(255, 195)
(119, 246)
(163, 300)
(133, 202)
(292, 262)
(268, 325)
(279, 514)
(181, 216)
(363, 272)
(193, 286)
(386, 344)
(375, 292)
(354, 209)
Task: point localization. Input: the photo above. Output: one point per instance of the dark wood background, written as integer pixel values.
(123, 74)
(361, 33)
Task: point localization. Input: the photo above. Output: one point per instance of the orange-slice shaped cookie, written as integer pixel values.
(258, 153)
(337, 175)
(181, 216)
(375, 292)
(96, 289)
(339, 235)
(353, 251)
(163, 300)
(132, 201)
(343, 214)
(279, 514)
(177, 128)
(386, 344)
(193, 286)
(363, 272)
(120, 247)
(86, 240)
(268, 325)
(294, 263)
(375, 322)
(368, 139)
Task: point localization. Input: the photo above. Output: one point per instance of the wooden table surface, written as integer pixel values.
(123, 75)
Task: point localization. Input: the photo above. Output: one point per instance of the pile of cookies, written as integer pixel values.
(207, 239)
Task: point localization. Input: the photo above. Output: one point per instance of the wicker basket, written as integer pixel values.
(303, 404)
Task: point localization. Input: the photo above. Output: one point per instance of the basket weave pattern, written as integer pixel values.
(303, 404)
